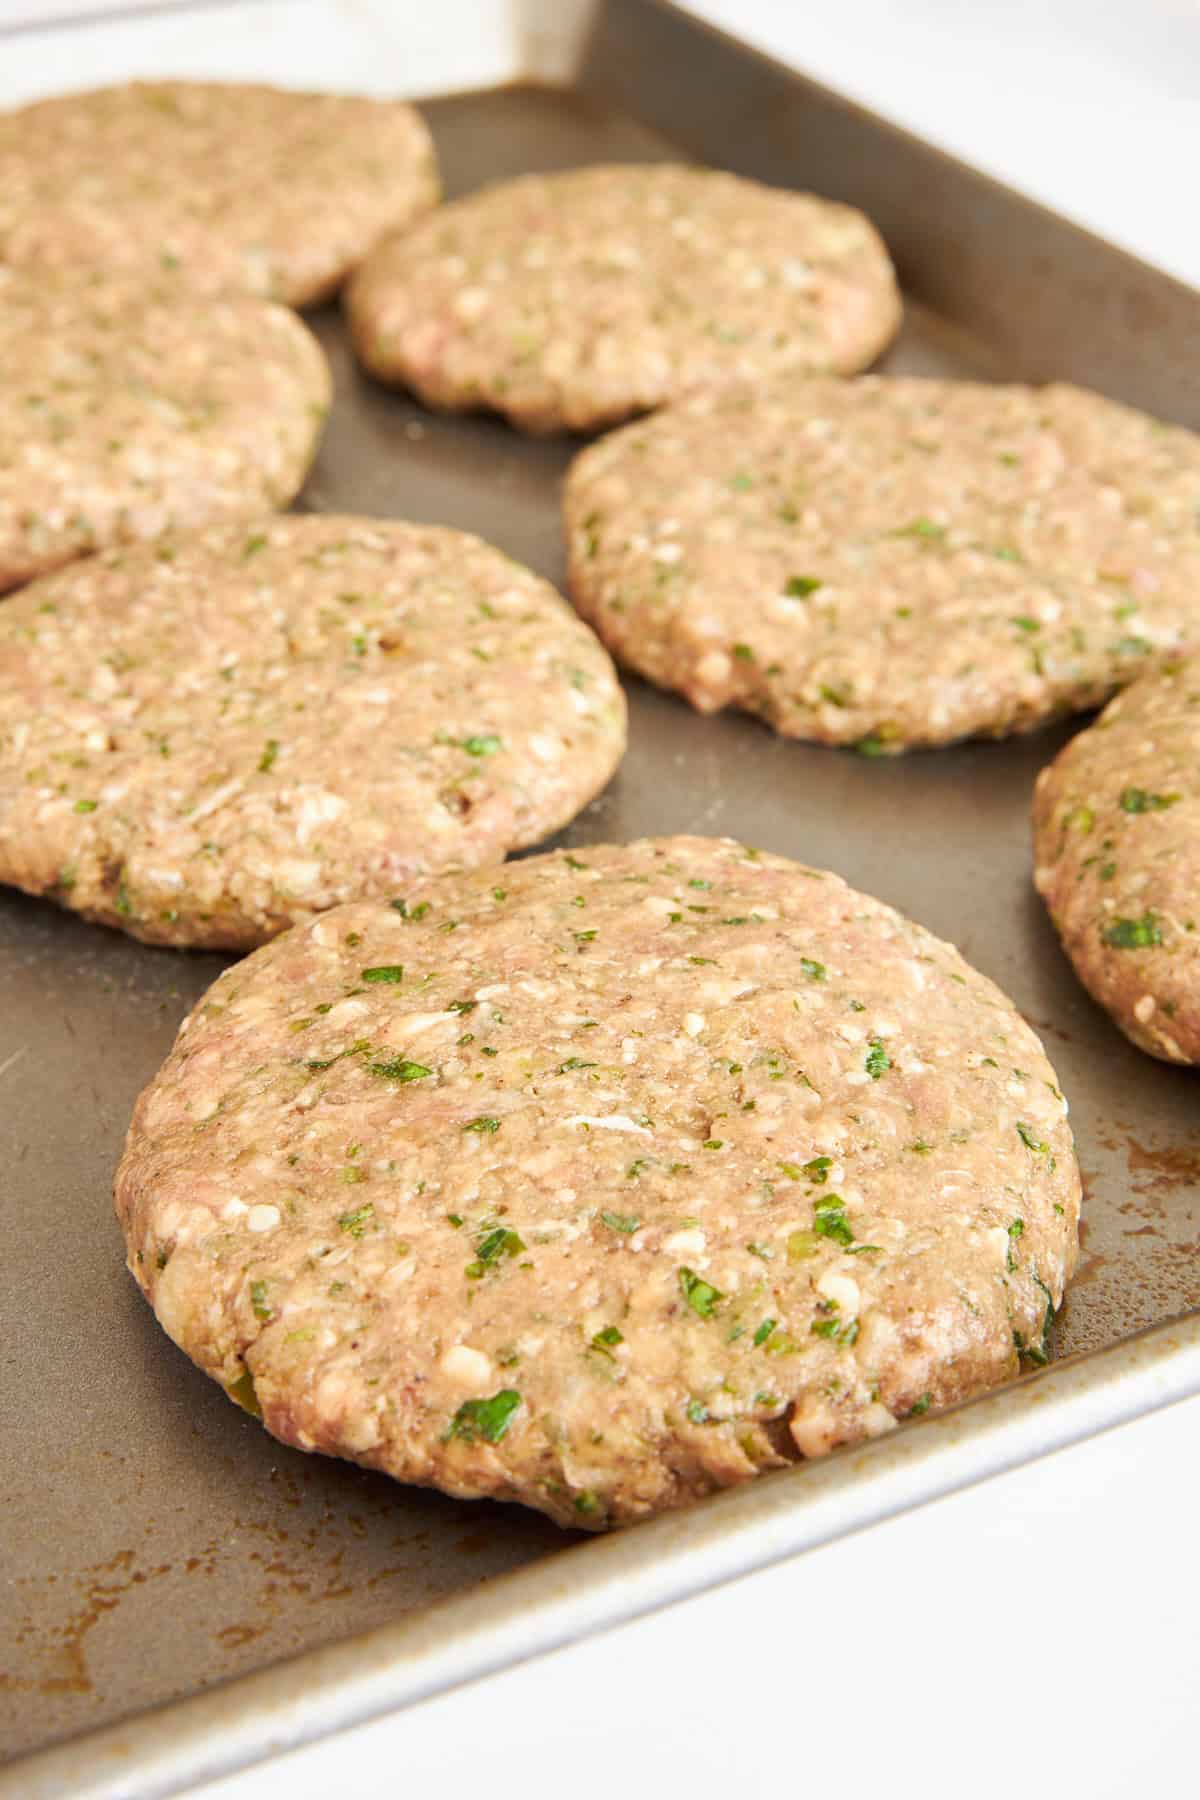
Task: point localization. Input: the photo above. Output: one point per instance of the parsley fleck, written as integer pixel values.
(624, 1222)
(384, 974)
(266, 761)
(356, 1222)
(814, 970)
(259, 1302)
(488, 1419)
(700, 1295)
(1015, 1230)
(1137, 800)
(483, 1124)
(86, 806)
(829, 1220)
(799, 587)
(920, 1406)
(764, 1331)
(485, 744)
(400, 1069)
(1133, 934)
(878, 1061)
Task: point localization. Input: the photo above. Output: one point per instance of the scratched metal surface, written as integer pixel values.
(155, 1540)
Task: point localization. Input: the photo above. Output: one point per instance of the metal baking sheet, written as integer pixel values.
(156, 1542)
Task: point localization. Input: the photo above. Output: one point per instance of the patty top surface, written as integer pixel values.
(575, 299)
(1117, 854)
(604, 1179)
(890, 562)
(247, 188)
(206, 739)
(125, 412)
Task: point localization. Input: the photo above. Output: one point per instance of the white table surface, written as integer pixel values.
(1039, 1630)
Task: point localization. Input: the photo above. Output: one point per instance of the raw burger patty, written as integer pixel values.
(123, 415)
(1116, 823)
(603, 1181)
(236, 187)
(207, 739)
(889, 563)
(575, 299)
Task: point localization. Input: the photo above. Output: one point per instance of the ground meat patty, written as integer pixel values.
(236, 187)
(889, 563)
(206, 739)
(605, 1182)
(572, 300)
(123, 415)
(1116, 823)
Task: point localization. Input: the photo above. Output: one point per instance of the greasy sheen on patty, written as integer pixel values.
(1116, 823)
(603, 1180)
(205, 739)
(889, 562)
(572, 300)
(126, 412)
(235, 187)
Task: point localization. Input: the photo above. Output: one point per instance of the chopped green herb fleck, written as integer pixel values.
(1015, 1230)
(384, 974)
(920, 1406)
(1137, 800)
(700, 1295)
(799, 587)
(624, 1222)
(242, 1390)
(483, 1124)
(697, 1412)
(829, 1219)
(878, 1061)
(400, 1069)
(259, 1302)
(485, 744)
(266, 761)
(488, 1419)
(764, 1331)
(818, 1169)
(253, 545)
(86, 806)
(814, 970)
(356, 1222)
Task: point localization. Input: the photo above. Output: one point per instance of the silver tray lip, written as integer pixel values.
(612, 1581)
(607, 1582)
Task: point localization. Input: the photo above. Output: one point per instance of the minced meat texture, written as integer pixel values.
(233, 187)
(126, 412)
(573, 300)
(890, 562)
(603, 1180)
(208, 738)
(1117, 852)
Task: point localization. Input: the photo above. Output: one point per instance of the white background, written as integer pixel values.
(1039, 1632)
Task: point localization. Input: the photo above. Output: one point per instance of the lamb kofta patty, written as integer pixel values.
(1117, 852)
(889, 562)
(603, 1180)
(206, 739)
(235, 187)
(573, 300)
(125, 413)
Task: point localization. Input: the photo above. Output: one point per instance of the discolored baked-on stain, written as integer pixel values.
(1164, 1169)
(59, 1655)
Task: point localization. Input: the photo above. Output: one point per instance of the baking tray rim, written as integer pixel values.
(611, 1581)
(606, 1582)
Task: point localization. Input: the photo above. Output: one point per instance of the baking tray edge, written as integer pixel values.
(613, 1581)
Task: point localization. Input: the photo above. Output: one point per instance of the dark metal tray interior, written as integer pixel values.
(155, 1540)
